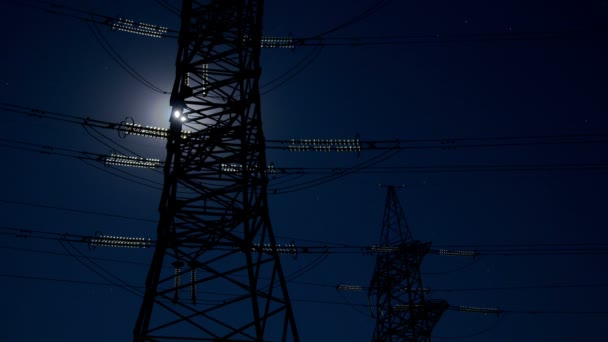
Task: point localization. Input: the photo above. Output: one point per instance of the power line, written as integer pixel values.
(555, 312)
(93, 241)
(49, 252)
(60, 280)
(523, 287)
(48, 149)
(107, 138)
(359, 288)
(341, 171)
(574, 249)
(437, 39)
(46, 114)
(166, 5)
(98, 269)
(117, 58)
(136, 180)
(302, 300)
(333, 173)
(478, 333)
(108, 160)
(336, 286)
(86, 123)
(457, 168)
(456, 143)
(352, 41)
(449, 143)
(366, 13)
(79, 211)
(86, 16)
(331, 177)
(292, 72)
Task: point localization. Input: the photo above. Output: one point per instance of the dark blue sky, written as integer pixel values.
(464, 89)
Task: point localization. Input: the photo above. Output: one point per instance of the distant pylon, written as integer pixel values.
(216, 273)
(397, 296)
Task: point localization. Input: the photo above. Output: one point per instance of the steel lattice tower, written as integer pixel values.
(216, 274)
(401, 310)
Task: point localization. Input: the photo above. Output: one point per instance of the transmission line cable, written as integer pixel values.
(119, 146)
(309, 267)
(306, 300)
(117, 58)
(79, 211)
(54, 279)
(166, 5)
(328, 173)
(440, 39)
(292, 72)
(458, 168)
(49, 252)
(475, 334)
(391, 144)
(136, 181)
(85, 157)
(322, 39)
(325, 179)
(375, 7)
(459, 269)
(325, 250)
(98, 269)
(87, 16)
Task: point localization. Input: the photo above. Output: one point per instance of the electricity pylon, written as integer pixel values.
(214, 226)
(398, 300)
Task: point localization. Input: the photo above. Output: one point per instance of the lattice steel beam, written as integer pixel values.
(216, 93)
(401, 309)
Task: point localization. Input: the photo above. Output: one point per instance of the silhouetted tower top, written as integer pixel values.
(395, 229)
(398, 300)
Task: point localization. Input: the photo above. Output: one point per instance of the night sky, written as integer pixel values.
(470, 71)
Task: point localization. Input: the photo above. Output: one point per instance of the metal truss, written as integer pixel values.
(398, 299)
(216, 273)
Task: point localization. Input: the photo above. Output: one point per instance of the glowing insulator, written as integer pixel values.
(177, 280)
(290, 249)
(324, 145)
(193, 284)
(120, 241)
(384, 249)
(476, 309)
(121, 160)
(345, 287)
(277, 42)
(205, 80)
(457, 252)
(143, 29)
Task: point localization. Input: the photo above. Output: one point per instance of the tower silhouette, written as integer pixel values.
(398, 299)
(216, 273)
